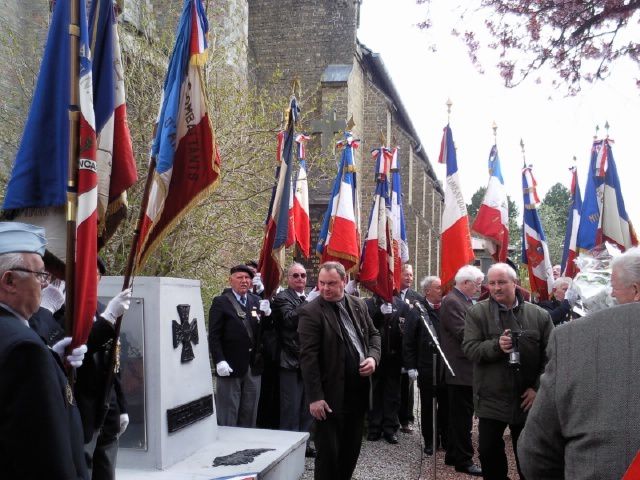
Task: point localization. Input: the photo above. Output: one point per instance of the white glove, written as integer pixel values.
(386, 308)
(223, 369)
(313, 294)
(265, 307)
(117, 306)
(257, 282)
(77, 354)
(412, 374)
(351, 287)
(52, 297)
(571, 296)
(124, 422)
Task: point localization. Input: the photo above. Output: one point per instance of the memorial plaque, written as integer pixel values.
(189, 413)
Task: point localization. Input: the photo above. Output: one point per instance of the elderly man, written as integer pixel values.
(506, 372)
(339, 350)
(234, 341)
(468, 281)
(417, 351)
(40, 428)
(408, 296)
(584, 422)
(294, 414)
(558, 307)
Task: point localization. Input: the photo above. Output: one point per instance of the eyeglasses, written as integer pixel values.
(299, 275)
(41, 276)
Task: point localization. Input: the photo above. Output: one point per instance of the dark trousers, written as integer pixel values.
(426, 409)
(383, 416)
(294, 410)
(405, 413)
(460, 448)
(338, 440)
(102, 451)
(269, 402)
(493, 458)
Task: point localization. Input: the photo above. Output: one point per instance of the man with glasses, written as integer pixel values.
(40, 429)
(294, 414)
(455, 304)
(504, 385)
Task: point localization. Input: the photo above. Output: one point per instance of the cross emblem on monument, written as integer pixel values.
(327, 127)
(185, 332)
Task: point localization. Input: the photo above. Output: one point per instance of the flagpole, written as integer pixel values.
(126, 283)
(72, 165)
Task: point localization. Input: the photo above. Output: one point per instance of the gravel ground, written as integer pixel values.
(405, 461)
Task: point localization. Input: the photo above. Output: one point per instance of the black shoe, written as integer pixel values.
(374, 436)
(310, 452)
(391, 438)
(428, 450)
(472, 470)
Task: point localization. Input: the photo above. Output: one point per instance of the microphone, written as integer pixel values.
(419, 306)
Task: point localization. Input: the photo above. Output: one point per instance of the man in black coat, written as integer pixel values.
(453, 310)
(558, 306)
(339, 350)
(294, 413)
(418, 349)
(409, 296)
(383, 416)
(40, 429)
(235, 345)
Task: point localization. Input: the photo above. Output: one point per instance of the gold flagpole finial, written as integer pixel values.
(494, 126)
(595, 137)
(382, 138)
(295, 86)
(524, 158)
(606, 127)
(449, 104)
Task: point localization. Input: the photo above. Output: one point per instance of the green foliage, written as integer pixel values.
(553, 215)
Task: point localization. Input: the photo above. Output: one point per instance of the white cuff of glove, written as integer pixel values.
(117, 306)
(256, 281)
(412, 374)
(223, 369)
(77, 354)
(265, 307)
(386, 308)
(313, 294)
(124, 422)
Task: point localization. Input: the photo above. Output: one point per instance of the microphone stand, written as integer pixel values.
(434, 377)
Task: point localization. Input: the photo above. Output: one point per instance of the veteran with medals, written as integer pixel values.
(40, 429)
(234, 341)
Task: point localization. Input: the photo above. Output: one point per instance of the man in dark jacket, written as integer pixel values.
(409, 296)
(418, 349)
(339, 350)
(383, 416)
(504, 385)
(558, 307)
(294, 413)
(234, 342)
(459, 387)
(40, 429)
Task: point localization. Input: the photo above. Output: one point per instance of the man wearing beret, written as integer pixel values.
(40, 429)
(234, 342)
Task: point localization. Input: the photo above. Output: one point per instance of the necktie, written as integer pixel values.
(303, 297)
(243, 301)
(436, 306)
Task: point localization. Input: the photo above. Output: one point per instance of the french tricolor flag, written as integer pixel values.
(339, 237)
(377, 260)
(455, 250)
(400, 244)
(535, 252)
(187, 159)
(300, 208)
(570, 252)
(492, 220)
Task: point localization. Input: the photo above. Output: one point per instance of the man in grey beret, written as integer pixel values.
(40, 429)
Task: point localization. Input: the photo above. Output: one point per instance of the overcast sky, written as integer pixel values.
(428, 67)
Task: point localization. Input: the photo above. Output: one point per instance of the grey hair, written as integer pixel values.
(562, 280)
(506, 268)
(426, 282)
(468, 272)
(337, 266)
(628, 266)
(406, 266)
(293, 265)
(10, 260)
